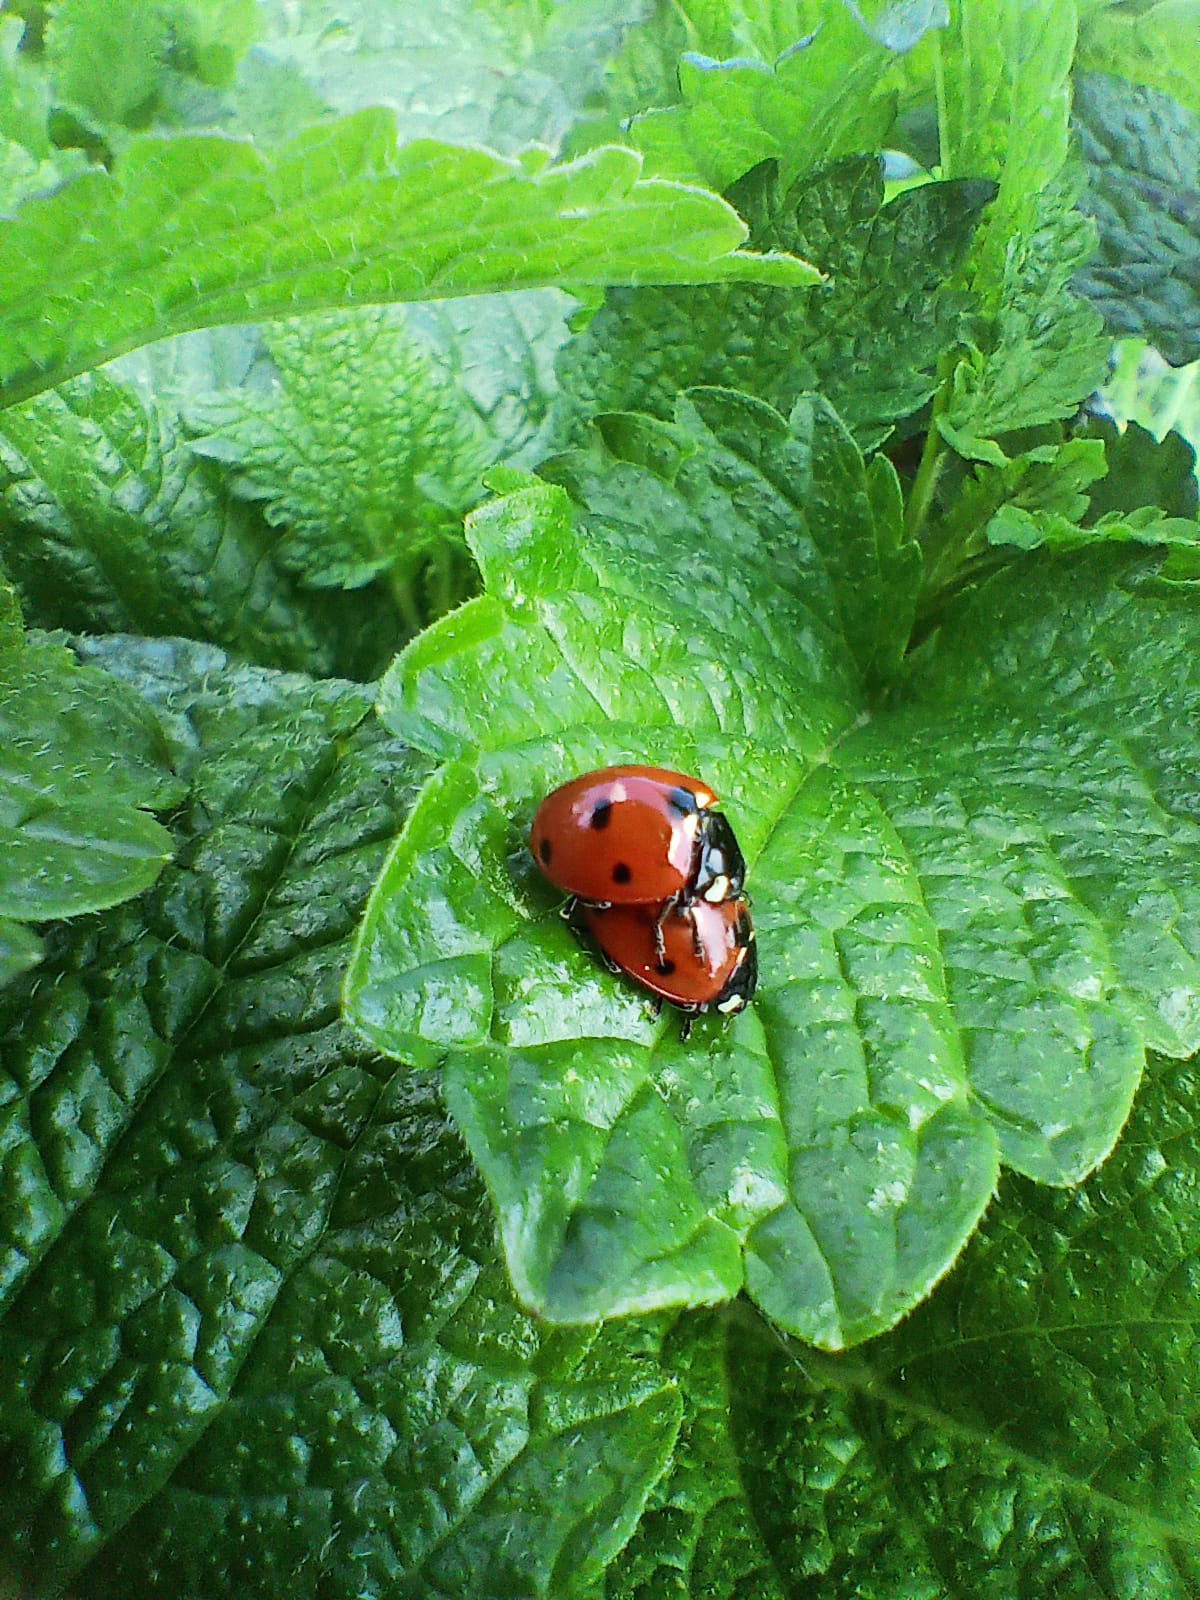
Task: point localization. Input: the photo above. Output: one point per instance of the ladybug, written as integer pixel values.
(708, 960)
(628, 836)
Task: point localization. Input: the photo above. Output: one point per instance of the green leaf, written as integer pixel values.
(82, 764)
(501, 75)
(501, 351)
(1044, 350)
(251, 1309)
(830, 94)
(1004, 107)
(868, 341)
(1156, 45)
(1030, 1431)
(1051, 480)
(210, 37)
(24, 96)
(194, 231)
(363, 454)
(1141, 151)
(107, 59)
(950, 894)
(1143, 471)
(19, 949)
(109, 522)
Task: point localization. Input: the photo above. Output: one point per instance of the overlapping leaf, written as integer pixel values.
(945, 892)
(831, 93)
(83, 764)
(110, 523)
(1142, 151)
(192, 231)
(249, 1298)
(869, 339)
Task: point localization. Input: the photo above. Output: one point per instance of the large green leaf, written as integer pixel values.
(361, 449)
(247, 1281)
(1031, 1431)
(831, 93)
(869, 340)
(110, 523)
(959, 958)
(191, 231)
(1142, 151)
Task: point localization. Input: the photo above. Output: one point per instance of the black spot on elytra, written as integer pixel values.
(666, 966)
(602, 815)
(622, 872)
(683, 801)
(545, 851)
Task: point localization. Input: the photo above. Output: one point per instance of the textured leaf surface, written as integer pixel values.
(360, 449)
(1142, 154)
(1031, 1430)
(1156, 45)
(830, 94)
(1005, 101)
(950, 896)
(1004, 95)
(82, 765)
(191, 231)
(460, 70)
(1045, 350)
(109, 522)
(1144, 471)
(249, 1295)
(868, 340)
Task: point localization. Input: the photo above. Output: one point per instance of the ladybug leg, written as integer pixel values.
(567, 910)
(656, 1004)
(660, 943)
(685, 1027)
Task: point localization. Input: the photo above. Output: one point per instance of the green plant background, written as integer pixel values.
(359, 1235)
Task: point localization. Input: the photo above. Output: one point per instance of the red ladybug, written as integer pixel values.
(708, 961)
(637, 836)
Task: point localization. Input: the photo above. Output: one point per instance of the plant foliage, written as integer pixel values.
(711, 385)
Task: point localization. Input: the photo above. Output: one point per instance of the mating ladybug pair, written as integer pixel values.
(655, 876)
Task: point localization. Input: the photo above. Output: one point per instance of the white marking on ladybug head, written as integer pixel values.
(736, 1002)
(717, 890)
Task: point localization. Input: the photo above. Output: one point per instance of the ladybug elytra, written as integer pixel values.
(655, 875)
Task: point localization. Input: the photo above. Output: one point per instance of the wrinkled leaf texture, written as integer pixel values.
(195, 230)
(249, 1296)
(975, 905)
(1142, 154)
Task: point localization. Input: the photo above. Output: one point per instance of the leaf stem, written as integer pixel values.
(932, 458)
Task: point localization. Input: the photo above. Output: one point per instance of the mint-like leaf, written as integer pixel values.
(1156, 45)
(831, 93)
(83, 763)
(109, 522)
(1141, 151)
(193, 231)
(107, 59)
(461, 70)
(364, 458)
(945, 892)
(249, 1280)
(1143, 471)
(868, 340)
(1031, 1430)
(1043, 352)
